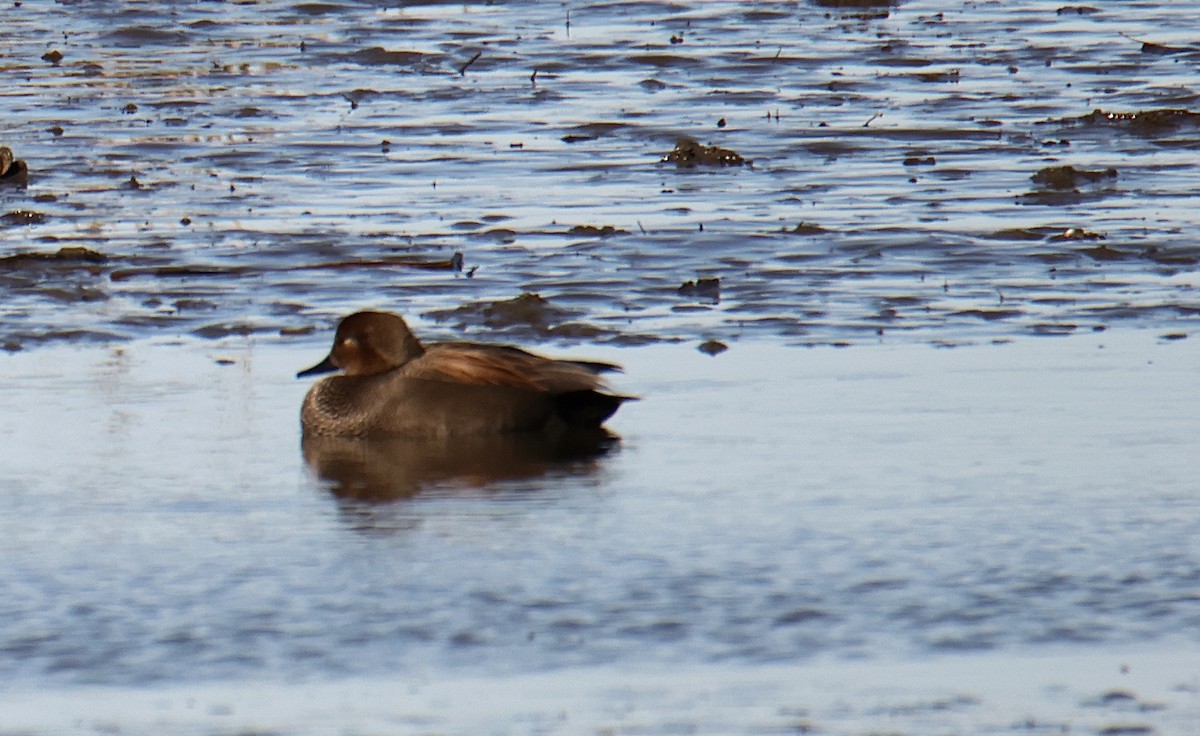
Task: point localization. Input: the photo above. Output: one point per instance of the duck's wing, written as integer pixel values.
(517, 354)
(499, 365)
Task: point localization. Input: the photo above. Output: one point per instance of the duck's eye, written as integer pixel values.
(349, 342)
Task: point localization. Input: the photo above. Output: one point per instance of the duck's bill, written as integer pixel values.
(325, 366)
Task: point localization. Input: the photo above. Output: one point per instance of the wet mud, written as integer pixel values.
(262, 168)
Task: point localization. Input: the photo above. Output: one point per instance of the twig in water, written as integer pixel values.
(533, 78)
(872, 119)
(1158, 48)
(462, 70)
(1131, 38)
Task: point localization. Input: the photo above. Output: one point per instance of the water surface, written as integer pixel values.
(768, 508)
(251, 167)
(895, 537)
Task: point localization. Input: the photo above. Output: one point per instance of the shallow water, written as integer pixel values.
(784, 539)
(778, 508)
(261, 166)
(1116, 693)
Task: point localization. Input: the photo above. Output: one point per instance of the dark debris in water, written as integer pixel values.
(599, 232)
(1023, 234)
(1057, 198)
(1069, 177)
(866, 9)
(225, 329)
(66, 257)
(379, 56)
(688, 154)
(527, 315)
(593, 131)
(138, 36)
(1074, 233)
(1149, 47)
(20, 340)
(1067, 185)
(806, 228)
(855, 3)
(990, 314)
(21, 218)
(706, 288)
(1105, 253)
(1181, 257)
(1149, 123)
(1127, 729)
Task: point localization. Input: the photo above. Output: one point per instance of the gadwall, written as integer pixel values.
(12, 169)
(392, 385)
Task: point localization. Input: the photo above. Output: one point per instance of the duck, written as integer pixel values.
(12, 169)
(390, 384)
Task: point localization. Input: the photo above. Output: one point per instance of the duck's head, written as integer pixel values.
(369, 343)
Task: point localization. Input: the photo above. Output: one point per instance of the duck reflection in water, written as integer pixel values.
(393, 468)
(402, 416)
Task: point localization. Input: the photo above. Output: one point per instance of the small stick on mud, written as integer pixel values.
(462, 70)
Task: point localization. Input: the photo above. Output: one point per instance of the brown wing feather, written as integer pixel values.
(501, 366)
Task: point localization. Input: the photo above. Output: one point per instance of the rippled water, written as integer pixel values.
(211, 184)
(244, 167)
